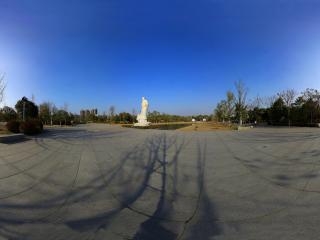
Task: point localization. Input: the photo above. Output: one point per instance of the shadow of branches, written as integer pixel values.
(133, 174)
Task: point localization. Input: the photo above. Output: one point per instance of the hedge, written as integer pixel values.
(13, 126)
(31, 127)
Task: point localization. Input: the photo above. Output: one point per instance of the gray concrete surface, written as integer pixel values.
(106, 182)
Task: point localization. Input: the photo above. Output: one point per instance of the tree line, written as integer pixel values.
(49, 114)
(26, 109)
(234, 107)
(153, 117)
(284, 108)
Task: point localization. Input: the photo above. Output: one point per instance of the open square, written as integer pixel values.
(106, 182)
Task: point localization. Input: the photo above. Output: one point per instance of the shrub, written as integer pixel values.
(31, 127)
(13, 126)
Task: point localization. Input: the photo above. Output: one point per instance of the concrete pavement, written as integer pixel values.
(106, 182)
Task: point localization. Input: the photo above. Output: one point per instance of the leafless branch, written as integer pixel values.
(2, 86)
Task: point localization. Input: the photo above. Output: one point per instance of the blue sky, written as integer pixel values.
(181, 55)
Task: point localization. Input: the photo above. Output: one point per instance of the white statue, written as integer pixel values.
(142, 116)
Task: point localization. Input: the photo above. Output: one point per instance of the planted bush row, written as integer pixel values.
(13, 126)
(28, 127)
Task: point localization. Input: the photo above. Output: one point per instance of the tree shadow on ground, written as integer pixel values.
(205, 225)
(152, 228)
(148, 159)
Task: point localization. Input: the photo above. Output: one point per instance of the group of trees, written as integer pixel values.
(7, 114)
(25, 110)
(154, 117)
(234, 108)
(50, 114)
(285, 108)
(292, 109)
(157, 117)
(46, 112)
(122, 117)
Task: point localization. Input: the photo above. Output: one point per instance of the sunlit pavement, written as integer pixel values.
(107, 182)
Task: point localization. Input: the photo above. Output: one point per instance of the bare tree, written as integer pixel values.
(257, 102)
(269, 101)
(311, 94)
(46, 111)
(112, 110)
(65, 106)
(230, 105)
(288, 96)
(2, 86)
(220, 111)
(241, 96)
(134, 113)
(310, 97)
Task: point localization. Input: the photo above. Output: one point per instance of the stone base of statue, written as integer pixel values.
(142, 124)
(142, 121)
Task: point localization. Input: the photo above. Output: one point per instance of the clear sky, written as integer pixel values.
(181, 55)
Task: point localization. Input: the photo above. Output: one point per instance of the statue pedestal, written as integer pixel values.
(141, 123)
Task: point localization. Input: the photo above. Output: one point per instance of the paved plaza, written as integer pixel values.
(107, 182)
